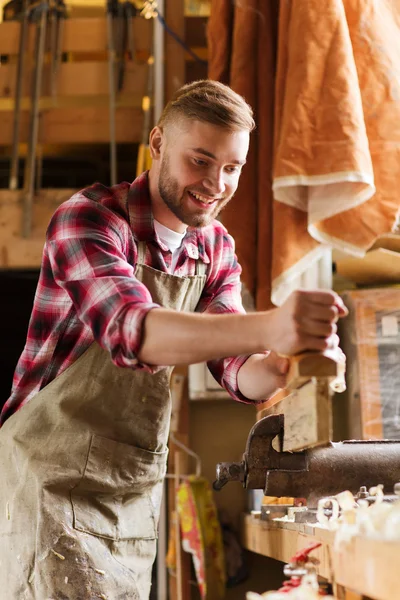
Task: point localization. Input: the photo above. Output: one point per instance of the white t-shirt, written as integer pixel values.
(171, 239)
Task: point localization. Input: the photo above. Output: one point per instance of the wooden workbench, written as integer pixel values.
(365, 566)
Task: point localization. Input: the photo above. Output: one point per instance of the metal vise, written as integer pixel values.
(312, 473)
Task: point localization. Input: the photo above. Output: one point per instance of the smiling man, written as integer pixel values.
(134, 279)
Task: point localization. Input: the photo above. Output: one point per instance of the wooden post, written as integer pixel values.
(178, 463)
(175, 62)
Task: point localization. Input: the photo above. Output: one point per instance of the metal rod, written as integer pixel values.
(29, 175)
(61, 16)
(158, 47)
(112, 99)
(162, 584)
(13, 182)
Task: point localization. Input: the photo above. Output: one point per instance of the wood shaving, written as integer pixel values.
(100, 571)
(60, 556)
(66, 580)
(31, 577)
(8, 511)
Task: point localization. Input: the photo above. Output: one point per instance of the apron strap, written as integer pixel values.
(201, 267)
(141, 248)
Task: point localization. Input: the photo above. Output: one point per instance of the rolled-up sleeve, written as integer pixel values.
(87, 251)
(222, 295)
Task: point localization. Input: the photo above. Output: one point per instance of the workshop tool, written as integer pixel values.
(57, 16)
(14, 168)
(313, 473)
(112, 14)
(38, 15)
(127, 51)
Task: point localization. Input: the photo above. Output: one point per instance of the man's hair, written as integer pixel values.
(211, 102)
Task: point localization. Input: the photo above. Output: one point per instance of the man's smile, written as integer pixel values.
(203, 201)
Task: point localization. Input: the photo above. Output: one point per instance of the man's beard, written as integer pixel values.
(168, 189)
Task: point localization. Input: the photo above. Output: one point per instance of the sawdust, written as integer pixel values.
(60, 556)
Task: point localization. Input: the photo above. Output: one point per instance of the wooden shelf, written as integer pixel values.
(366, 566)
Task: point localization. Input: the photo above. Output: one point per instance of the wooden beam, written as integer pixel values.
(76, 79)
(174, 53)
(308, 415)
(17, 252)
(80, 35)
(87, 125)
(282, 540)
(307, 365)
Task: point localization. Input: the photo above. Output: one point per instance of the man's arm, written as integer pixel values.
(306, 321)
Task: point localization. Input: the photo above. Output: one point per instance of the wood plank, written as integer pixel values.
(91, 101)
(306, 365)
(179, 582)
(282, 541)
(368, 567)
(76, 79)
(80, 35)
(15, 251)
(376, 267)
(389, 241)
(308, 415)
(76, 125)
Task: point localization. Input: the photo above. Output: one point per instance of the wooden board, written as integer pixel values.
(370, 337)
(84, 125)
(376, 267)
(305, 366)
(174, 57)
(80, 35)
(282, 540)
(308, 415)
(88, 78)
(16, 251)
(367, 566)
(389, 241)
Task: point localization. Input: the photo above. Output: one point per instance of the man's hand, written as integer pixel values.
(262, 375)
(306, 321)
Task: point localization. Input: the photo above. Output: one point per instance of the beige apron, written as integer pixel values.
(81, 471)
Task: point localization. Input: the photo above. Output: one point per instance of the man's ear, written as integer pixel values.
(156, 139)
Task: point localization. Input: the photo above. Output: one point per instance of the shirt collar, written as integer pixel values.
(142, 223)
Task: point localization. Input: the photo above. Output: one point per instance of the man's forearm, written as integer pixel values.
(171, 338)
(305, 321)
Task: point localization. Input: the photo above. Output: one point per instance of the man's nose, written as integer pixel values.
(215, 182)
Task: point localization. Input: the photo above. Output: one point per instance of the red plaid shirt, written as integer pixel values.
(87, 289)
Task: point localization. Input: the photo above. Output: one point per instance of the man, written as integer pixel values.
(83, 444)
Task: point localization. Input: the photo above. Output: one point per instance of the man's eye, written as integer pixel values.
(199, 162)
(235, 169)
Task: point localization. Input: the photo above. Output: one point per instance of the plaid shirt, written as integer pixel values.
(87, 289)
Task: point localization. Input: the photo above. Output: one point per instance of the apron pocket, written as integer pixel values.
(119, 494)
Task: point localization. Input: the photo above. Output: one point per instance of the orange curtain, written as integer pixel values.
(326, 93)
(242, 51)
